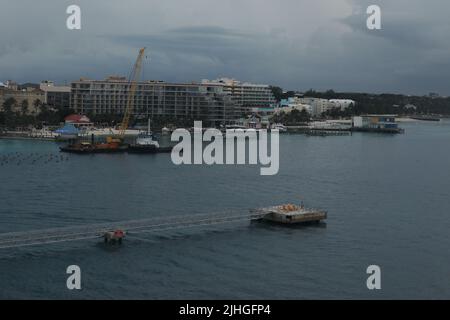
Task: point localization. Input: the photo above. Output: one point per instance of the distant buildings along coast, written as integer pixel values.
(34, 95)
(214, 101)
(314, 106)
(223, 100)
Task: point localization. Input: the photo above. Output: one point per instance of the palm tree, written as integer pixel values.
(24, 107)
(8, 104)
(37, 104)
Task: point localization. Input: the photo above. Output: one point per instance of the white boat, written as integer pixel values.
(145, 143)
(146, 139)
(108, 132)
(43, 133)
(280, 127)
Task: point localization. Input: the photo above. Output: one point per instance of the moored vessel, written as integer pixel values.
(87, 147)
(144, 143)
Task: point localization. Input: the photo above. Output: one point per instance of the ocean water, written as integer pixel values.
(387, 197)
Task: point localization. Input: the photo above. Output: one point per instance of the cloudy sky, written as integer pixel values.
(296, 44)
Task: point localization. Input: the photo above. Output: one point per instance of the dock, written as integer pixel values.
(380, 130)
(115, 232)
(320, 130)
(132, 227)
(327, 132)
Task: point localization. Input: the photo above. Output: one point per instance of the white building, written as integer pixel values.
(341, 104)
(293, 103)
(248, 95)
(318, 105)
(410, 107)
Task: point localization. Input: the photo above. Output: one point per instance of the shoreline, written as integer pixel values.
(3, 137)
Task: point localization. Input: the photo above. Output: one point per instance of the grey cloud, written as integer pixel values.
(298, 44)
(405, 23)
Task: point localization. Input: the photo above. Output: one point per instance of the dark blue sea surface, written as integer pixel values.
(387, 197)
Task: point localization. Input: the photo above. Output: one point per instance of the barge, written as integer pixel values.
(88, 148)
(291, 214)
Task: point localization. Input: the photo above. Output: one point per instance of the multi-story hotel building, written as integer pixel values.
(55, 96)
(247, 95)
(205, 102)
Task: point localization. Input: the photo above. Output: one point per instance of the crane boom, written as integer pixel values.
(134, 77)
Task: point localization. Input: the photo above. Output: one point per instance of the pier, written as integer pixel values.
(328, 132)
(109, 231)
(321, 130)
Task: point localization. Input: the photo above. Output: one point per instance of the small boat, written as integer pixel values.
(146, 144)
(280, 127)
(114, 236)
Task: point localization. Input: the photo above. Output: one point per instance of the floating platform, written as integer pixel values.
(291, 214)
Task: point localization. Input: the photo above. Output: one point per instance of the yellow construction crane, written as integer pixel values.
(134, 77)
(116, 143)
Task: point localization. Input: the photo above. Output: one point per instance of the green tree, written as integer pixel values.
(295, 117)
(8, 105)
(37, 105)
(2, 119)
(24, 107)
(277, 92)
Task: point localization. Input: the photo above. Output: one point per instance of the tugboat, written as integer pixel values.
(145, 143)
